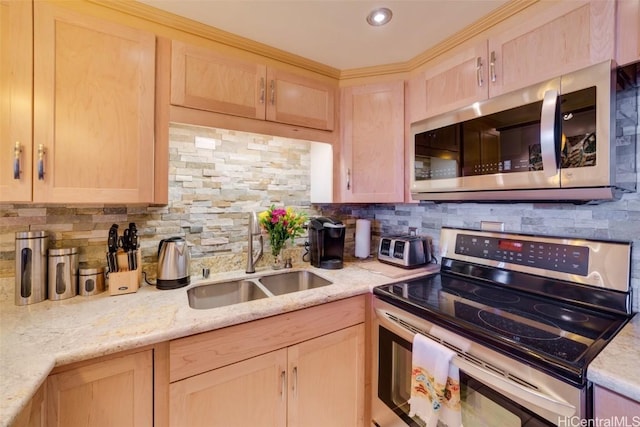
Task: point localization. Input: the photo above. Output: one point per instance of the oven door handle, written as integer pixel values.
(503, 385)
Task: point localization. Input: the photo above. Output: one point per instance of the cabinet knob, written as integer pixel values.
(16, 160)
(41, 153)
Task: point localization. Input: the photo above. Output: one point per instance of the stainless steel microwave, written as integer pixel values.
(550, 141)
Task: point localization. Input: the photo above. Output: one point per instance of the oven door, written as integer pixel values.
(487, 399)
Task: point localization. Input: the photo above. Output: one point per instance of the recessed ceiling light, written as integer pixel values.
(378, 17)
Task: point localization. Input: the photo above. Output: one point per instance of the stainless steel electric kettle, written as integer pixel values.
(173, 263)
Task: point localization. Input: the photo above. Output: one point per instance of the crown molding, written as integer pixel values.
(149, 13)
(143, 11)
(500, 14)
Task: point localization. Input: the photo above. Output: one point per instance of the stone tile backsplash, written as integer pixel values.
(217, 176)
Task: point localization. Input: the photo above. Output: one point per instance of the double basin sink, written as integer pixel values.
(221, 294)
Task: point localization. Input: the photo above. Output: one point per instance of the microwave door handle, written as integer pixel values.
(548, 135)
(504, 385)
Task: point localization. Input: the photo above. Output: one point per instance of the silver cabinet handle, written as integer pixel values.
(548, 133)
(492, 66)
(261, 90)
(348, 179)
(16, 160)
(295, 380)
(272, 87)
(41, 153)
(283, 383)
(479, 71)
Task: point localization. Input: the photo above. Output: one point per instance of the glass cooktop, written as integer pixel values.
(542, 327)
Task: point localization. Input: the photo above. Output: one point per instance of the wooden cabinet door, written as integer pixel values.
(247, 393)
(326, 380)
(34, 413)
(372, 147)
(206, 80)
(628, 31)
(564, 38)
(16, 65)
(298, 100)
(112, 392)
(610, 405)
(94, 85)
(455, 81)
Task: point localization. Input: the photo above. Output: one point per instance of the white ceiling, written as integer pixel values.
(335, 32)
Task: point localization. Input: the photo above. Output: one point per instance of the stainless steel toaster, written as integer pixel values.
(405, 251)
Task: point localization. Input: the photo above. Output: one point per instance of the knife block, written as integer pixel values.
(125, 281)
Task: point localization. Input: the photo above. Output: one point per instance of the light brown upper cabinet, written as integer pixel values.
(93, 111)
(525, 49)
(16, 88)
(204, 79)
(565, 38)
(454, 80)
(371, 152)
(628, 31)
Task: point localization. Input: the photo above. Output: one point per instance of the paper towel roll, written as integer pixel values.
(363, 238)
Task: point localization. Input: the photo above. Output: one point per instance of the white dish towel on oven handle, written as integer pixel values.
(435, 384)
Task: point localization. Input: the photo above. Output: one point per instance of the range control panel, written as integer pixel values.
(549, 256)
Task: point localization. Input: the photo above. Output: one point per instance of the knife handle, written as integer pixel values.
(112, 240)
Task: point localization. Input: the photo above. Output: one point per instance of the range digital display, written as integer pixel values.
(510, 245)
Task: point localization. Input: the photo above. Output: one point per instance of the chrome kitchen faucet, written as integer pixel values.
(254, 230)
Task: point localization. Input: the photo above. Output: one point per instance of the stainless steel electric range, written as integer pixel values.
(525, 315)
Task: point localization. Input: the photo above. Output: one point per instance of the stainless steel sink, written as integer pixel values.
(225, 293)
(293, 281)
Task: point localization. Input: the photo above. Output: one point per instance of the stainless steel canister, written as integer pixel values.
(90, 280)
(63, 273)
(31, 267)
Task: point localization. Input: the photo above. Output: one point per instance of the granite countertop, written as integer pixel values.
(617, 367)
(36, 338)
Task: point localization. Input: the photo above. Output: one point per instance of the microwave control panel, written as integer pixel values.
(544, 255)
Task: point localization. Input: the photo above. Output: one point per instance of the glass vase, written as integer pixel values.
(277, 250)
(278, 261)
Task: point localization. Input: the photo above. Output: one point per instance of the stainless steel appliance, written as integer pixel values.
(405, 251)
(31, 267)
(90, 280)
(326, 240)
(174, 258)
(550, 141)
(63, 273)
(524, 314)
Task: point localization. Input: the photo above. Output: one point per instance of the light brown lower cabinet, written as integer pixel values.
(617, 409)
(34, 413)
(110, 392)
(318, 382)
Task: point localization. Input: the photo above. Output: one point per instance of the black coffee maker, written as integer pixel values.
(326, 241)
